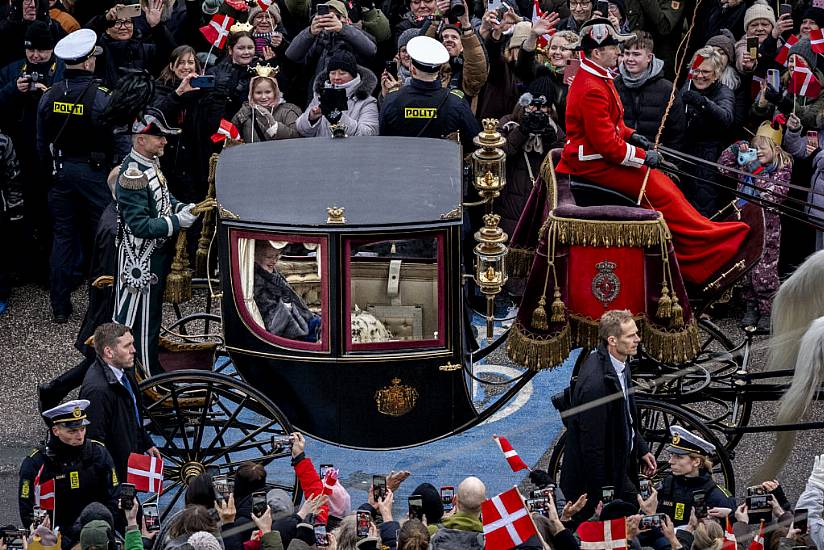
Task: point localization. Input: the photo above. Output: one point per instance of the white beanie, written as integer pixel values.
(759, 10)
(203, 540)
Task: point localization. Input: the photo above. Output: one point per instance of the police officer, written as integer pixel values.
(82, 470)
(691, 469)
(423, 108)
(81, 150)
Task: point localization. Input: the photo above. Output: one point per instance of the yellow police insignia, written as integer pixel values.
(74, 480)
(77, 412)
(679, 510)
(25, 489)
(114, 478)
(420, 112)
(68, 108)
(676, 439)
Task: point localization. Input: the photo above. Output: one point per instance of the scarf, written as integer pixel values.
(760, 170)
(637, 81)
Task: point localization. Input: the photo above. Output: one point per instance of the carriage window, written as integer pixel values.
(283, 288)
(395, 293)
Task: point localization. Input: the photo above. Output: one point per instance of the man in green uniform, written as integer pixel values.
(149, 218)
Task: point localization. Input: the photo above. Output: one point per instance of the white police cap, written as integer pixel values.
(71, 414)
(77, 46)
(427, 53)
(685, 442)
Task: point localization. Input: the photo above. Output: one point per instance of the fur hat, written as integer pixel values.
(203, 540)
(520, 32)
(343, 61)
(759, 10)
(408, 35)
(816, 14)
(726, 42)
(274, 11)
(803, 49)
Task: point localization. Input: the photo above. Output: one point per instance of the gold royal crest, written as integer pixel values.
(676, 438)
(77, 413)
(396, 399)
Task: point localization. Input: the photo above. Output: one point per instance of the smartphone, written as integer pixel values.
(651, 522)
(571, 69)
(759, 502)
(800, 520)
(259, 504)
(415, 507)
(127, 12)
(203, 81)
(224, 486)
(493, 5)
(320, 535)
(447, 494)
(14, 537)
(362, 522)
(699, 504)
(785, 9)
(539, 505)
(603, 7)
(546, 492)
(324, 469)
(752, 46)
(774, 79)
(378, 487)
(151, 517)
(607, 494)
(280, 441)
(392, 68)
(127, 494)
(812, 137)
(39, 515)
(645, 489)
(756, 490)
(323, 9)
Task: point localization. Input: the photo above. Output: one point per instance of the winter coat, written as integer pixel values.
(597, 452)
(361, 119)
(675, 496)
(528, 69)
(263, 124)
(806, 108)
(231, 87)
(373, 21)
(796, 145)
(707, 123)
(774, 189)
(767, 51)
(468, 72)
(645, 100)
(272, 293)
(717, 17)
(459, 532)
(13, 32)
(813, 500)
(502, 88)
(111, 415)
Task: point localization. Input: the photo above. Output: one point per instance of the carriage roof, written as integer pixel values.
(378, 180)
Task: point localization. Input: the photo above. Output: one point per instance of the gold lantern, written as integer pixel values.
(490, 264)
(489, 162)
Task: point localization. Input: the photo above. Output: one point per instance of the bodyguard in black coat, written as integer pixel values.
(604, 446)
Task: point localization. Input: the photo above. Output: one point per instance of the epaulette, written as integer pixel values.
(104, 89)
(457, 93)
(33, 453)
(98, 442)
(133, 178)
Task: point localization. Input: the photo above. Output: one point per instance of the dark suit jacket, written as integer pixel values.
(597, 451)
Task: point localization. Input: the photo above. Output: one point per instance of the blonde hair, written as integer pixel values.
(572, 39)
(708, 536)
(712, 57)
(705, 461)
(780, 157)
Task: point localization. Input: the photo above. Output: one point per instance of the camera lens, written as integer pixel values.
(456, 9)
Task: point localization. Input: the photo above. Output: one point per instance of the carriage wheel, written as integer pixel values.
(209, 422)
(655, 419)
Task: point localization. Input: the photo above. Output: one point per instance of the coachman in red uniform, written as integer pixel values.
(600, 148)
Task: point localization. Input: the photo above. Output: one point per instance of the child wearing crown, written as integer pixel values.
(764, 158)
(266, 115)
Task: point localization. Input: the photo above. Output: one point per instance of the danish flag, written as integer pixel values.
(510, 454)
(224, 131)
(695, 64)
(507, 522)
(264, 4)
(217, 31)
(603, 535)
(817, 40)
(729, 537)
(43, 492)
(758, 541)
(145, 473)
(784, 52)
(537, 13)
(803, 81)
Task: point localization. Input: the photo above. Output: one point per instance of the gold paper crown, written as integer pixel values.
(241, 27)
(766, 130)
(266, 70)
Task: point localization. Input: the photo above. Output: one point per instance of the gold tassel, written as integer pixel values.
(179, 281)
(664, 303)
(558, 308)
(539, 316)
(677, 321)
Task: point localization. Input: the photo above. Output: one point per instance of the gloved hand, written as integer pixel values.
(640, 141)
(306, 533)
(691, 97)
(210, 7)
(817, 476)
(185, 216)
(653, 159)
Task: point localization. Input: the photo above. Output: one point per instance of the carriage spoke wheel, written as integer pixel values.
(655, 419)
(207, 422)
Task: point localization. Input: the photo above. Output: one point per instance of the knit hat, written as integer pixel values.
(38, 37)
(803, 49)
(520, 32)
(204, 541)
(343, 61)
(759, 10)
(617, 509)
(542, 86)
(274, 11)
(280, 503)
(726, 41)
(408, 35)
(816, 14)
(432, 504)
(95, 533)
(340, 503)
(92, 511)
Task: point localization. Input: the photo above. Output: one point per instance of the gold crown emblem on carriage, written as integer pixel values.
(396, 399)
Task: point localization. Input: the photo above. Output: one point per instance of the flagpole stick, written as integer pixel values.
(209, 55)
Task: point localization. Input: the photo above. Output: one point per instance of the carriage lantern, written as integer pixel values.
(489, 162)
(490, 263)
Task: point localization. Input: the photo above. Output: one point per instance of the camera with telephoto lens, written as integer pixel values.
(33, 77)
(457, 9)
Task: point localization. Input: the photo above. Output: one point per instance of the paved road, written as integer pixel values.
(32, 350)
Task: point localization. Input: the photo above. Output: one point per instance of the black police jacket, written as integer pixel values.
(426, 109)
(675, 496)
(111, 415)
(81, 475)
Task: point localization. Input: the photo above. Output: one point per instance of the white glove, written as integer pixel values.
(817, 475)
(185, 216)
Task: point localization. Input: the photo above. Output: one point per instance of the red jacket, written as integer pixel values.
(311, 484)
(595, 122)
